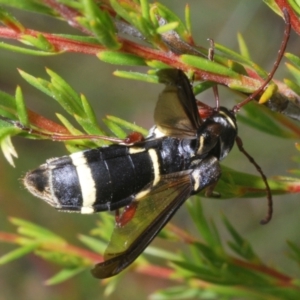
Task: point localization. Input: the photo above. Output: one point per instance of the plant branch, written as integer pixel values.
(284, 4)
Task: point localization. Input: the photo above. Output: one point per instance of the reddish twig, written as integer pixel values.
(67, 45)
(284, 4)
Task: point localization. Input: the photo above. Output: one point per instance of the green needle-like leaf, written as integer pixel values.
(122, 59)
(240, 245)
(21, 107)
(209, 66)
(212, 238)
(167, 27)
(10, 21)
(169, 16)
(137, 76)
(272, 4)
(263, 119)
(19, 252)
(293, 58)
(243, 47)
(28, 5)
(127, 125)
(23, 50)
(293, 86)
(38, 83)
(64, 275)
(93, 243)
(101, 24)
(115, 129)
(32, 230)
(7, 147)
(39, 42)
(295, 71)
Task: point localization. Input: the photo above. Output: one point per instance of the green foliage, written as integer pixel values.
(241, 275)
(208, 66)
(262, 119)
(207, 269)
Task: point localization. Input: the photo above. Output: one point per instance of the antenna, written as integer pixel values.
(281, 51)
(237, 107)
(268, 217)
(59, 137)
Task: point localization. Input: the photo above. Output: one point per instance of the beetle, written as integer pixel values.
(150, 178)
(147, 179)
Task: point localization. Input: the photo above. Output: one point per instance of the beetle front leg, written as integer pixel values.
(206, 173)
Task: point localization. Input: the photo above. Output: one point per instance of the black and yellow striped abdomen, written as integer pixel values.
(107, 178)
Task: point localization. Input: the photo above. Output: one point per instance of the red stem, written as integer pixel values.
(171, 59)
(284, 280)
(294, 18)
(149, 269)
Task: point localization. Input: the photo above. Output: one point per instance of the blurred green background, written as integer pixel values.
(134, 101)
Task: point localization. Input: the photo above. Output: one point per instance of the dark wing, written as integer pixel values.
(154, 210)
(176, 113)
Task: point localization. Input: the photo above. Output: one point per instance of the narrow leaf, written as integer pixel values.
(209, 66)
(137, 76)
(163, 254)
(115, 129)
(26, 50)
(29, 6)
(32, 230)
(268, 93)
(240, 245)
(292, 85)
(21, 107)
(295, 251)
(294, 71)
(89, 127)
(7, 147)
(64, 275)
(7, 101)
(171, 17)
(243, 47)
(68, 125)
(293, 58)
(295, 5)
(38, 83)
(242, 59)
(165, 28)
(261, 118)
(17, 253)
(10, 21)
(101, 24)
(127, 125)
(120, 10)
(93, 243)
(118, 58)
(156, 64)
(201, 87)
(272, 4)
(63, 93)
(39, 42)
(234, 184)
(89, 111)
(197, 213)
(187, 14)
(145, 9)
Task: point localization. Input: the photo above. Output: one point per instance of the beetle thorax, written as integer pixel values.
(217, 134)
